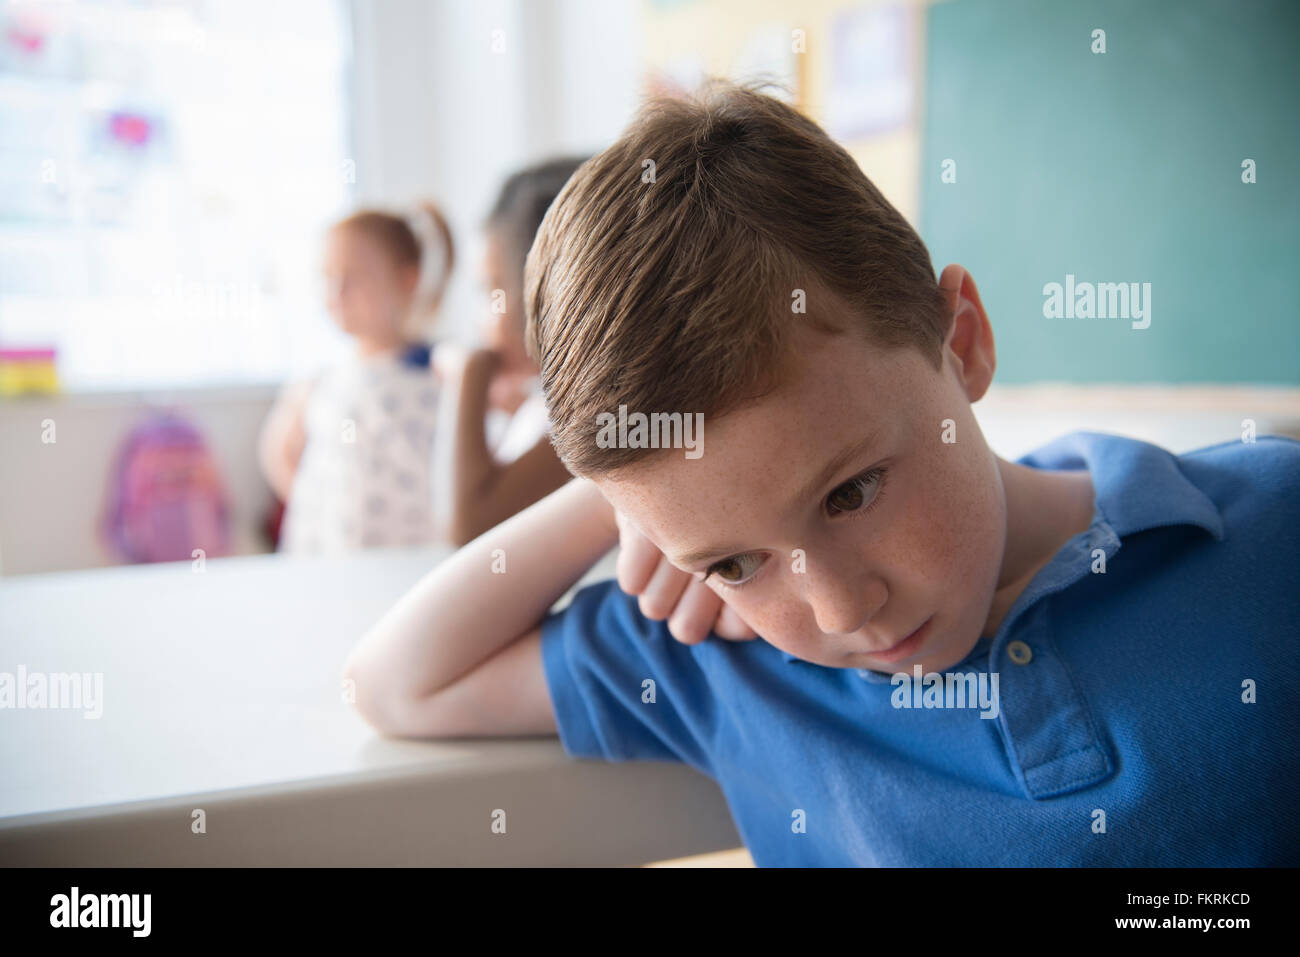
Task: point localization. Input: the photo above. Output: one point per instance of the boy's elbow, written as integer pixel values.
(356, 692)
(387, 713)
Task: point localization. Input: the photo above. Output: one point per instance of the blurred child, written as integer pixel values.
(501, 459)
(350, 450)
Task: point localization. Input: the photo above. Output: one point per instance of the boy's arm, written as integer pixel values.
(459, 654)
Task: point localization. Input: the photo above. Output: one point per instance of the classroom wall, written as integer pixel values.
(715, 36)
(1123, 166)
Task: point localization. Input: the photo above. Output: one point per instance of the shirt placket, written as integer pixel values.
(1052, 742)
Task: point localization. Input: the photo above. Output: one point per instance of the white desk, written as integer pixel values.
(221, 691)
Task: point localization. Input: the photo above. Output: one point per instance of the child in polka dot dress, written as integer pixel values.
(351, 449)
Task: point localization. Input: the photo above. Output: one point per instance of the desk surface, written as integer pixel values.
(221, 690)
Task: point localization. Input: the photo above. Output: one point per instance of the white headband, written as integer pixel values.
(433, 253)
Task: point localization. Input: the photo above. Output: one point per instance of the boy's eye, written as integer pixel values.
(734, 570)
(855, 494)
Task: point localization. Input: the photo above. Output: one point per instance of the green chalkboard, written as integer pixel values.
(1121, 167)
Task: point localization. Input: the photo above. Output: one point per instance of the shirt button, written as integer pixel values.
(1019, 652)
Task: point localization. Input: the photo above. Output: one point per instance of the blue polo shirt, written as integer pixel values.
(1148, 714)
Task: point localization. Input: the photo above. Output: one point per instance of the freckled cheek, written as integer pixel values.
(947, 539)
(965, 536)
(784, 620)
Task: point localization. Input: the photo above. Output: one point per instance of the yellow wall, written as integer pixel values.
(716, 31)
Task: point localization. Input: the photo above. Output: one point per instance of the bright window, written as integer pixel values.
(166, 171)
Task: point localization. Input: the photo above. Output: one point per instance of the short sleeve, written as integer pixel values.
(598, 654)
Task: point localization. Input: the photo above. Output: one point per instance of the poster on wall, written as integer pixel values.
(872, 76)
(768, 53)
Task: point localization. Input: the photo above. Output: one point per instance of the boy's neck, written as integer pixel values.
(1045, 509)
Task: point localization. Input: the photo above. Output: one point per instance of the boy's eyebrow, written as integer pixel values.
(837, 462)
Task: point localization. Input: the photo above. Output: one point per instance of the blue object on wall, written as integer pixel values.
(1120, 167)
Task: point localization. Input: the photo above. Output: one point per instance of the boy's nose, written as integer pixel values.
(842, 604)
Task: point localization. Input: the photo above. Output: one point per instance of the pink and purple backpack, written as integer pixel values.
(165, 496)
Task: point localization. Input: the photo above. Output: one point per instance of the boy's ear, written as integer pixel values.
(970, 335)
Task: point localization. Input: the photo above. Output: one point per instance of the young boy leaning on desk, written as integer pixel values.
(1084, 657)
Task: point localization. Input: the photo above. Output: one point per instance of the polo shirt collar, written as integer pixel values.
(1137, 486)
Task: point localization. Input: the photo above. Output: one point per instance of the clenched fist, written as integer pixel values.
(693, 609)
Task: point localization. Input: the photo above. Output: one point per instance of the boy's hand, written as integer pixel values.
(692, 608)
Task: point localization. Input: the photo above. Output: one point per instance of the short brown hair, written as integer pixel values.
(663, 275)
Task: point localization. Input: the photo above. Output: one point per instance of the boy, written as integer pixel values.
(1111, 620)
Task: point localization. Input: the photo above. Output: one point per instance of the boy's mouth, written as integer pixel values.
(906, 647)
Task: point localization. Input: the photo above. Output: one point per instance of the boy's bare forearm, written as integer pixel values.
(486, 595)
